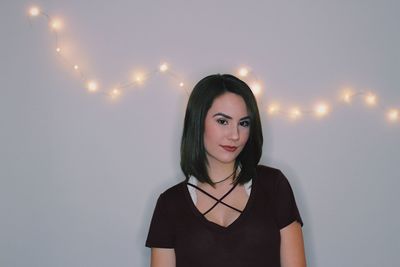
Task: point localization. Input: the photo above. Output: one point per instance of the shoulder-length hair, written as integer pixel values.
(193, 155)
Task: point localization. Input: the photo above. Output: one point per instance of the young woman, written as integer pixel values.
(229, 211)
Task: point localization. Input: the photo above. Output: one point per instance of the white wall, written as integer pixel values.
(80, 174)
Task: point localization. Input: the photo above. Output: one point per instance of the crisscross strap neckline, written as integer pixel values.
(218, 200)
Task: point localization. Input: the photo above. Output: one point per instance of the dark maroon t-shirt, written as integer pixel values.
(252, 240)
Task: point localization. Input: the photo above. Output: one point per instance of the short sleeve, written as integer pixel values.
(161, 232)
(286, 208)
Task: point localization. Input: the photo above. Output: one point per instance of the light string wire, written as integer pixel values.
(320, 109)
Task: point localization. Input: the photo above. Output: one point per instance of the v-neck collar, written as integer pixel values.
(212, 225)
(192, 190)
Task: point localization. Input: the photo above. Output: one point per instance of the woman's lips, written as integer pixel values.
(229, 148)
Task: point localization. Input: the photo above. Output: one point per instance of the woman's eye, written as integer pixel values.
(245, 123)
(222, 121)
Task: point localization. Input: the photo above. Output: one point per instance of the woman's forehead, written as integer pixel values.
(230, 104)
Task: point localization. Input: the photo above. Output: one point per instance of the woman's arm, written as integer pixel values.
(292, 246)
(162, 257)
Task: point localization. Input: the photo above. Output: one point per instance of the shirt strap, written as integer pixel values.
(218, 200)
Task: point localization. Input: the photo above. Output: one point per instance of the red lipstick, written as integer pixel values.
(229, 148)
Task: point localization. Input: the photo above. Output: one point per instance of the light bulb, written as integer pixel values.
(393, 115)
(321, 109)
(164, 67)
(273, 109)
(256, 88)
(139, 78)
(243, 72)
(34, 11)
(347, 95)
(92, 86)
(347, 98)
(370, 99)
(115, 93)
(294, 113)
(56, 24)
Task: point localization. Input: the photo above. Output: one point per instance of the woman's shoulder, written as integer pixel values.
(276, 186)
(269, 176)
(267, 171)
(174, 193)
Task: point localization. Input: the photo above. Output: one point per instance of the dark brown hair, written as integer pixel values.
(193, 154)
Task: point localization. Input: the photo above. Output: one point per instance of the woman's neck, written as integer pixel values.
(219, 172)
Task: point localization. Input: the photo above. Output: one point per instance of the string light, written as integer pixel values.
(294, 113)
(164, 67)
(256, 88)
(92, 86)
(139, 78)
(273, 109)
(370, 99)
(347, 93)
(34, 11)
(115, 93)
(56, 24)
(393, 114)
(320, 110)
(243, 72)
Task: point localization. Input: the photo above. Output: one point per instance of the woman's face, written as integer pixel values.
(227, 128)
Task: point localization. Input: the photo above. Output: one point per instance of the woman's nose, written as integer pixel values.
(234, 133)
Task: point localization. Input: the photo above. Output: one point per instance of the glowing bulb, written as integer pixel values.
(321, 109)
(181, 84)
(243, 72)
(370, 99)
(115, 93)
(346, 95)
(58, 50)
(294, 113)
(273, 109)
(56, 24)
(92, 86)
(76, 67)
(256, 88)
(393, 115)
(139, 78)
(164, 67)
(34, 11)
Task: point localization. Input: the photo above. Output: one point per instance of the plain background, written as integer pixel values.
(80, 173)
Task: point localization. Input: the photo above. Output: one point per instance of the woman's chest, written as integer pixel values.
(222, 210)
(254, 237)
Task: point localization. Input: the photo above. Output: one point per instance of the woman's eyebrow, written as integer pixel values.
(229, 117)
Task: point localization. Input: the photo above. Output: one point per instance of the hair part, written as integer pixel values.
(193, 153)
